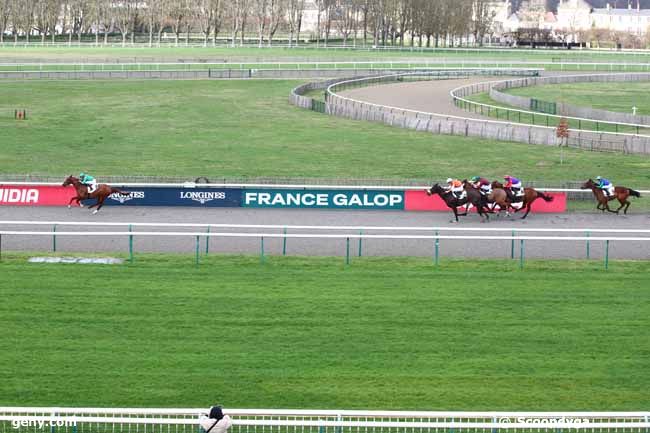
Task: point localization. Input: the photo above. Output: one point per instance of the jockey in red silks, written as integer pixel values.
(513, 187)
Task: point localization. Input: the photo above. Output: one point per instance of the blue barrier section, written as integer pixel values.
(188, 197)
(323, 199)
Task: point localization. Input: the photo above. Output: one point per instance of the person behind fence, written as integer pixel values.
(606, 186)
(215, 421)
(513, 187)
(456, 187)
(89, 181)
(483, 185)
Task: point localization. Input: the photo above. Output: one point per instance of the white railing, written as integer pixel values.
(297, 421)
(489, 84)
(354, 230)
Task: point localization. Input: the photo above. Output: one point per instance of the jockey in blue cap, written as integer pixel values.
(605, 185)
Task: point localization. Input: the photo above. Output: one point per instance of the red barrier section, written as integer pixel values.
(418, 200)
(20, 195)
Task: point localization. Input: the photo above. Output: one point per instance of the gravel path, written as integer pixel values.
(448, 248)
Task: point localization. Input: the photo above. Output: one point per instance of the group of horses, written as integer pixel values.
(495, 202)
(499, 200)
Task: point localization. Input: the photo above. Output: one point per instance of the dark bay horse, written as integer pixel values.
(621, 193)
(472, 197)
(101, 193)
(530, 195)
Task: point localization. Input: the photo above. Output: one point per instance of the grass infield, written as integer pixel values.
(605, 96)
(296, 332)
(248, 129)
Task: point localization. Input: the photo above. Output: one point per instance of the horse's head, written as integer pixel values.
(588, 184)
(497, 184)
(70, 180)
(435, 189)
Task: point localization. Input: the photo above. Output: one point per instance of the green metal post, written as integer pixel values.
(54, 239)
(588, 252)
(207, 242)
(512, 246)
(197, 250)
(130, 245)
(284, 242)
(360, 234)
(347, 251)
(521, 254)
(262, 250)
(437, 248)
(606, 254)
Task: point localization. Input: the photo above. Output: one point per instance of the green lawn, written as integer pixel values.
(144, 53)
(607, 96)
(248, 129)
(545, 120)
(312, 333)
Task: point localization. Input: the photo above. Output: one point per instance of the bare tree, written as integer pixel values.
(125, 14)
(178, 12)
(261, 11)
(5, 13)
(276, 13)
(295, 10)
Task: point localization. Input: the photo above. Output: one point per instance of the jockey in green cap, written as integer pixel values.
(89, 181)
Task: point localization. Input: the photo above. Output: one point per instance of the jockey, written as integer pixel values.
(513, 184)
(89, 181)
(605, 185)
(456, 187)
(482, 184)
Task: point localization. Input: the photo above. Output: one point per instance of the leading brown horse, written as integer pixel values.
(100, 193)
(620, 192)
(530, 195)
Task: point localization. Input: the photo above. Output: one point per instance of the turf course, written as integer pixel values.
(312, 333)
(238, 129)
(170, 53)
(606, 96)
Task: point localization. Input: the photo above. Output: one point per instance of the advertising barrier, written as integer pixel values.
(46, 195)
(192, 197)
(418, 200)
(409, 200)
(323, 199)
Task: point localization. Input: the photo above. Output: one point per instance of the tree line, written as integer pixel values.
(371, 22)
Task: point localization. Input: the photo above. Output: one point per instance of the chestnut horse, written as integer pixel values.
(620, 192)
(100, 193)
(530, 195)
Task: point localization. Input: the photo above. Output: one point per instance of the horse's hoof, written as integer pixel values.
(95, 211)
(81, 205)
(69, 207)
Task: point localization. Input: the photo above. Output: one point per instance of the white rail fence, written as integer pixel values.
(353, 233)
(117, 420)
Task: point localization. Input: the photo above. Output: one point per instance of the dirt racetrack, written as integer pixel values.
(330, 247)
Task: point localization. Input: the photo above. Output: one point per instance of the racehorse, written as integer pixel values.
(498, 197)
(472, 197)
(100, 193)
(620, 192)
(530, 195)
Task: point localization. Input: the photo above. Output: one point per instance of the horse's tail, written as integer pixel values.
(634, 193)
(119, 191)
(546, 198)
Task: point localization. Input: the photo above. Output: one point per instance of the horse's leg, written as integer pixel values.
(99, 204)
(622, 202)
(71, 200)
(528, 206)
